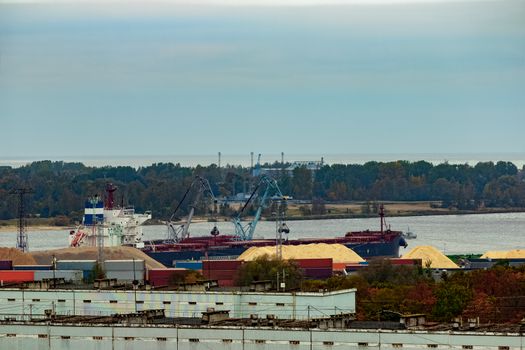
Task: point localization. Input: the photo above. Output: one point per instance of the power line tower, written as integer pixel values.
(21, 241)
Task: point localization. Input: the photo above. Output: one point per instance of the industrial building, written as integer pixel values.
(23, 302)
(50, 336)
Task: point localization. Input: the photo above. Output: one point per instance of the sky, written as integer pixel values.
(85, 78)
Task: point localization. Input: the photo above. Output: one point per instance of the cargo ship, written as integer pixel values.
(107, 224)
(368, 244)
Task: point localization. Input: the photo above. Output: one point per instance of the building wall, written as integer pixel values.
(176, 304)
(59, 337)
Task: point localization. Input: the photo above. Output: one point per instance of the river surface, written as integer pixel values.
(453, 234)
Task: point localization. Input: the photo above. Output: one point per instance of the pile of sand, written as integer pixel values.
(504, 254)
(432, 256)
(338, 252)
(18, 257)
(91, 253)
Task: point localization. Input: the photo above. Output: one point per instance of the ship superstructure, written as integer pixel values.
(109, 225)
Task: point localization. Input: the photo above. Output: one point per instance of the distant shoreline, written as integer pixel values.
(236, 159)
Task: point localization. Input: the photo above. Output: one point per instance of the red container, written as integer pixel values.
(314, 263)
(339, 266)
(159, 282)
(221, 264)
(220, 274)
(317, 273)
(413, 262)
(165, 275)
(226, 283)
(17, 276)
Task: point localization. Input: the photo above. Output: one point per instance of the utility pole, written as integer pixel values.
(21, 241)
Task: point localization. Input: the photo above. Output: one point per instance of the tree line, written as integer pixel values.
(494, 295)
(61, 188)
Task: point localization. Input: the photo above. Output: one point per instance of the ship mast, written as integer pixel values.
(382, 216)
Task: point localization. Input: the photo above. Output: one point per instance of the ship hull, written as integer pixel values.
(387, 247)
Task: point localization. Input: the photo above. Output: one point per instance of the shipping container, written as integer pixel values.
(124, 265)
(32, 267)
(414, 262)
(226, 283)
(314, 263)
(16, 276)
(165, 273)
(84, 265)
(125, 276)
(317, 273)
(221, 264)
(6, 265)
(161, 277)
(192, 265)
(220, 274)
(339, 266)
(68, 275)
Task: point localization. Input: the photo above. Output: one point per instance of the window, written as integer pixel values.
(362, 344)
(161, 339)
(65, 337)
(260, 341)
(113, 301)
(166, 302)
(279, 304)
(192, 302)
(467, 347)
(97, 337)
(194, 340)
(252, 303)
(42, 336)
(11, 299)
(503, 348)
(61, 300)
(35, 300)
(219, 303)
(10, 335)
(432, 346)
(328, 343)
(397, 345)
(227, 340)
(129, 338)
(87, 301)
(295, 342)
(140, 301)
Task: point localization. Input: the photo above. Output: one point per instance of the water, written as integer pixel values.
(453, 234)
(244, 159)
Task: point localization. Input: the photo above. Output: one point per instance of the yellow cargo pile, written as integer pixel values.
(432, 256)
(504, 254)
(338, 252)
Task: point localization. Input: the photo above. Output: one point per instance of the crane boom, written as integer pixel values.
(182, 232)
(245, 233)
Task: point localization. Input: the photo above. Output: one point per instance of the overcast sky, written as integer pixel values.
(126, 79)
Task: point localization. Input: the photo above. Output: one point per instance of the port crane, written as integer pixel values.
(181, 232)
(245, 232)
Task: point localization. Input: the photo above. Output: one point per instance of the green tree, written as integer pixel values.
(451, 300)
(302, 184)
(267, 268)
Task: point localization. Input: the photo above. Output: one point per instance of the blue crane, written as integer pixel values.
(177, 234)
(245, 233)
